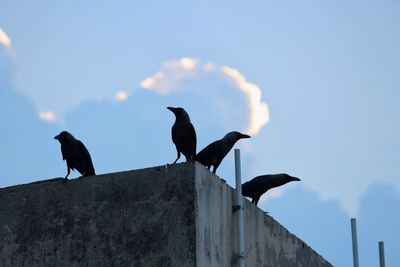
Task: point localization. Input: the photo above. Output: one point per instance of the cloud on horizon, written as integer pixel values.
(220, 84)
(174, 72)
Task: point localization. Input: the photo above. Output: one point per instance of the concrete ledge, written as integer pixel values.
(173, 215)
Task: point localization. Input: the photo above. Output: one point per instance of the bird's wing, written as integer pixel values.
(63, 152)
(184, 137)
(194, 138)
(85, 161)
(207, 156)
(82, 149)
(257, 186)
(175, 134)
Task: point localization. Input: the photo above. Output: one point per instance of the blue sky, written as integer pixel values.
(326, 70)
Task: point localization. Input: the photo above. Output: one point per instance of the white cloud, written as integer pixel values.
(173, 72)
(4, 39)
(48, 116)
(208, 67)
(259, 114)
(6, 44)
(121, 96)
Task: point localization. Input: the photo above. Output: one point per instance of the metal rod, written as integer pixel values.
(381, 254)
(239, 204)
(354, 240)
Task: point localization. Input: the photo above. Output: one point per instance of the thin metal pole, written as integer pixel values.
(381, 254)
(239, 204)
(354, 240)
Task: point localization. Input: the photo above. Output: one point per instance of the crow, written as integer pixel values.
(183, 134)
(261, 184)
(214, 153)
(76, 154)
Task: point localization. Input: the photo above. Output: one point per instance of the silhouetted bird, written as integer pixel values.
(214, 153)
(261, 184)
(76, 154)
(183, 134)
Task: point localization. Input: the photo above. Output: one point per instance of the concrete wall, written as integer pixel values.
(267, 243)
(136, 218)
(174, 215)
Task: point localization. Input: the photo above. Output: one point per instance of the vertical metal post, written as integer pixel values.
(381, 254)
(354, 240)
(239, 205)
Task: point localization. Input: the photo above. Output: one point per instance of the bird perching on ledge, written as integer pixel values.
(183, 134)
(76, 154)
(214, 153)
(256, 187)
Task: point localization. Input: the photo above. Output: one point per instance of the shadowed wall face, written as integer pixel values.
(173, 215)
(267, 243)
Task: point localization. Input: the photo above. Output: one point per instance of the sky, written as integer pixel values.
(315, 83)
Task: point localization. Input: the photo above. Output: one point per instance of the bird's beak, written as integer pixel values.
(296, 179)
(244, 136)
(172, 109)
(56, 137)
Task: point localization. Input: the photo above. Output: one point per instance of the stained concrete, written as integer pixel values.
(173, 215)
(267, 243)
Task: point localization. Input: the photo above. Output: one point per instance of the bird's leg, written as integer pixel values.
(187, 159)
(190, 158)
(68, 172)
(178, 156)
(215, 167)
(65, 178)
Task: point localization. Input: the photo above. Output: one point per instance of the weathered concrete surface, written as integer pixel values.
(175, 215)
(267, 243)
(137, 218)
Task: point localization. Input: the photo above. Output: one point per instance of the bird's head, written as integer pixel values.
(180, 113)
(63, 136)
(235, 136)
